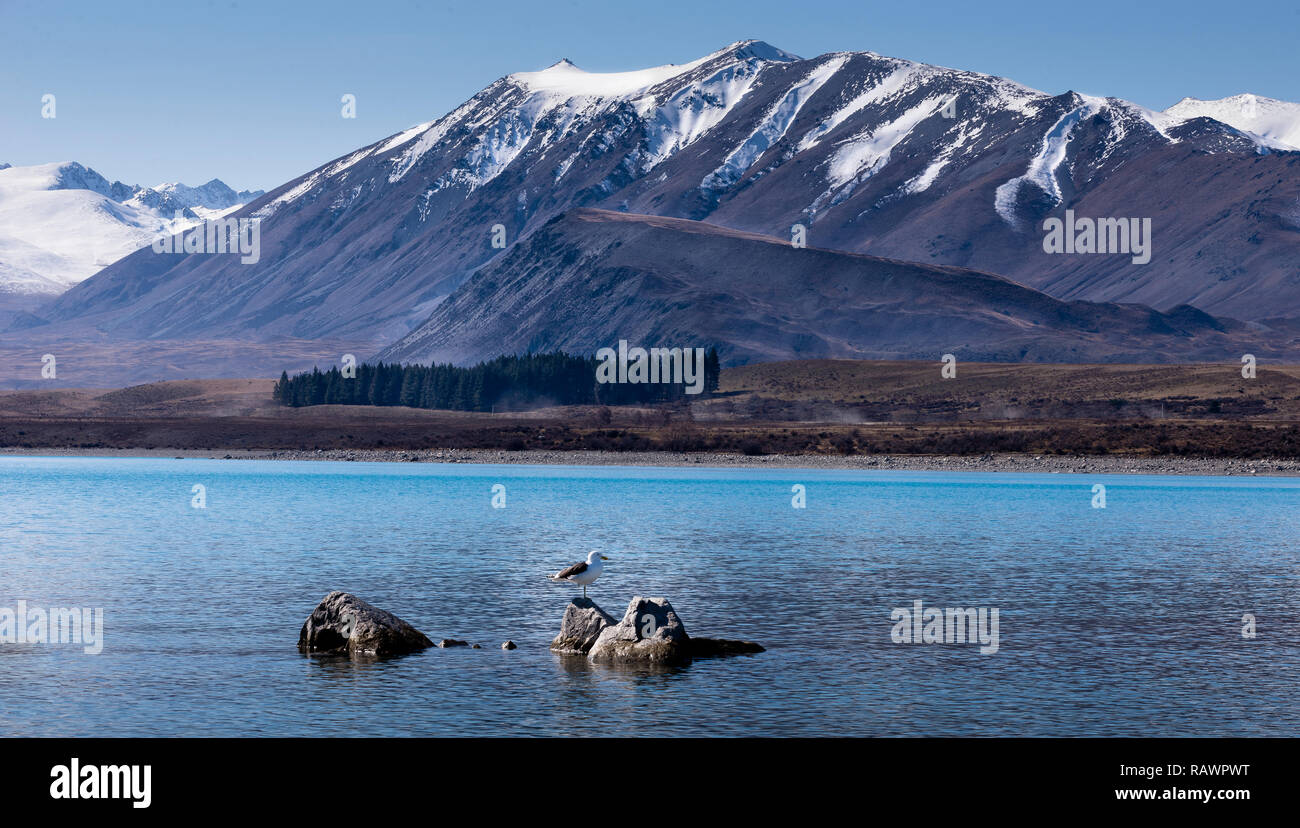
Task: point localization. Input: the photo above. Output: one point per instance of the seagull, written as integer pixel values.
(582, 573)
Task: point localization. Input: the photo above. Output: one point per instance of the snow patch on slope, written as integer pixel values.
(311, 182)
(773, 126)
(927, 177)
(890, 85)
(404, 136)
(431, 137)
(694, 110)
(864, 154)
(501, 144)
(1043, 166)
(1161, 122)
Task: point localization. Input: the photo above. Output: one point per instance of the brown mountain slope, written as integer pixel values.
(591, 277)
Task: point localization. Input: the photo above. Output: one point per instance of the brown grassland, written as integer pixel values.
(815, 407)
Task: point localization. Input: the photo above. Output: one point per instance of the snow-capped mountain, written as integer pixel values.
(872, 154)
(1275, 123)
(61, 223)
(204, 202)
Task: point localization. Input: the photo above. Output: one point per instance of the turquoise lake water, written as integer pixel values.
(1118, 621)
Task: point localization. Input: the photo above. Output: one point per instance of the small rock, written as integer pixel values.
(476, 647)
(508, 645)
(451, 642)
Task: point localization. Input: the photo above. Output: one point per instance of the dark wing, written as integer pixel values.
(573, 570)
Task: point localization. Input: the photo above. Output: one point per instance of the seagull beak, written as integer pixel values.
(603, 558)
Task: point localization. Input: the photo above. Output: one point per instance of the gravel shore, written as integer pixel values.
(1052, 464)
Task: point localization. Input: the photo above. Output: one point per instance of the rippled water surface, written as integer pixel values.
(1118, 621)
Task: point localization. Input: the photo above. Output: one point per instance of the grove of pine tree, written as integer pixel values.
(507, 382)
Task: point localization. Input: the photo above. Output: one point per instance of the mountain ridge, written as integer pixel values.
(855, 146)
(590, 277)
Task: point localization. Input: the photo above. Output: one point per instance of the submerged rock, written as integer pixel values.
(707, 647)
(452, 642)
(581, 626)
(343, 623)
(508, 645)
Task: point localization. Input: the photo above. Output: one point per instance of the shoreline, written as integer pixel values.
(1008, 463)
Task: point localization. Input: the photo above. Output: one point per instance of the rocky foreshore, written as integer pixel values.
(1015, 463)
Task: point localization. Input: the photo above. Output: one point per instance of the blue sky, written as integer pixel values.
(249, 91)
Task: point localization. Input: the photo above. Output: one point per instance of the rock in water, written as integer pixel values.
(649, 632)
(582, 624)
(343, 623)
(706, 647)
(508, 645)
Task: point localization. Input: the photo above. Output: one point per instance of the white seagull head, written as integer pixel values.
(593, 555)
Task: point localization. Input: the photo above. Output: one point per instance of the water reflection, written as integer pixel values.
(581, 667)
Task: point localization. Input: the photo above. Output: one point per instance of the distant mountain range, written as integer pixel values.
(61, 223)
(1276, 122)
(950, 170)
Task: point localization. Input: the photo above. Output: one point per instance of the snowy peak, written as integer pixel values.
(564, 77)
(66, 175)
(62, 222)
(73, 176)
(525, 115)
(1278, 122)
(567, 79)
(756, 49)
(214, 195)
